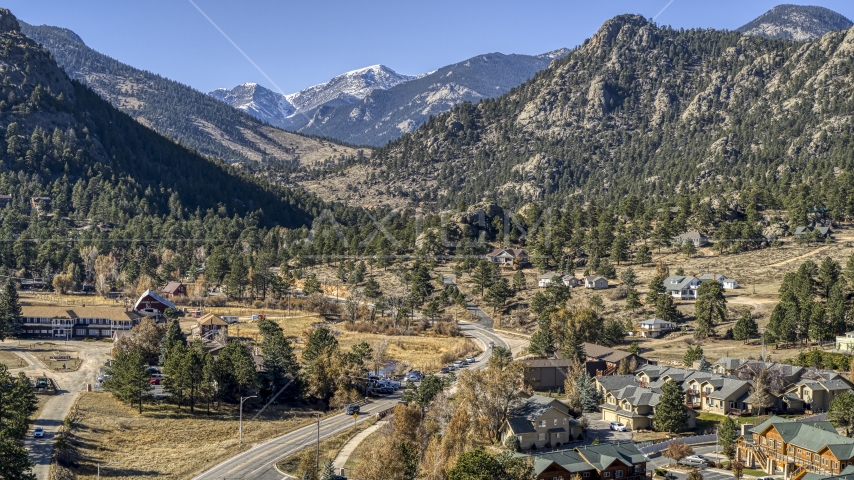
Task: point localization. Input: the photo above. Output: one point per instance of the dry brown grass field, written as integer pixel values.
(163, 443)
(329, 449)
(11, 359)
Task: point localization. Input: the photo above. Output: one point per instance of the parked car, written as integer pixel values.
(708, 461)
(352, 409)
(617, 426)
(692, 462)
(444, 370)
(470, 359)
(154, 381)
(451, 367)
(459, 364)
(38, 432)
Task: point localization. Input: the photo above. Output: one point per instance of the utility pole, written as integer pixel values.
(240, 427)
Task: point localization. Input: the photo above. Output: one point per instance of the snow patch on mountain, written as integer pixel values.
(796, 22)
(295, 110)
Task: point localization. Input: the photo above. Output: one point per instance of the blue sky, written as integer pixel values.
(300, 43)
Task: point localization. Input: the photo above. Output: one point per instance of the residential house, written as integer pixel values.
(546, 279)
(784, 373)
(845, 343)
(816, 394)
(76, 322)
(508, 257)
(612, 357)
(634, 407)
(541, 421)
(606, 461)
(572, 281)
(174, 289)
(784, 447)
(551, 373)
(683, 287)
(209, 326)
(812, 232)
(153, 305)
(656, 327)
(695, 237)
(720, 395)
(596, 282)
(607, 383)
(726, 283)
(727, 365)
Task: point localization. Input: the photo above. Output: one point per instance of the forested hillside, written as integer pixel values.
(178, 111)
(651, 112)
(106, 177)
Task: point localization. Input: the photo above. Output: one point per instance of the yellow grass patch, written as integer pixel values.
(423, 353)
(163, 443)
(11, 359)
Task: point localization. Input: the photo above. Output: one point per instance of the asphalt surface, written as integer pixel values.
(708, 474)
(259, 462)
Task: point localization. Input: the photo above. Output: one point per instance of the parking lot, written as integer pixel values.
(598, 428)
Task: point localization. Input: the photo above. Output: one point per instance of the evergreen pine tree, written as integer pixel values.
(10, 311)
(745, 328)
(670, 413)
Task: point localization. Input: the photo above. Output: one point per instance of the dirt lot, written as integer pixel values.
(56, 356)
(161, 443)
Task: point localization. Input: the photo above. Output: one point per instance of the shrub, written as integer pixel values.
(512, 442)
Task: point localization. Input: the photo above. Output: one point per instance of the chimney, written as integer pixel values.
(745, 428)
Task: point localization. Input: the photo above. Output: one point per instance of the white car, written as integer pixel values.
(38, 432)
(470, 359)
(617, 426)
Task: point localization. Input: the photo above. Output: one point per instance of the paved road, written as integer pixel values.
(258, 463)
(708, 474)
(483, 319)
(70, 384)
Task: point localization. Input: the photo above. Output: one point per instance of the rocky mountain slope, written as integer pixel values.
(178, 111)
(293, 111)
(643, 112)
(386, 114)
(796, 22)
(97, 164)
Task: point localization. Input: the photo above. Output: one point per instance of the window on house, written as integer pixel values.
(638, 468)
(555, 422)
(564, 421)
(606, 474)
(542, 423)
(542, 436)
(618, 474)
(586, 475)
(835, 465)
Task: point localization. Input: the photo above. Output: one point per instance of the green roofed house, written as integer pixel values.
(541, 421)
(794, 449)
(607, 461)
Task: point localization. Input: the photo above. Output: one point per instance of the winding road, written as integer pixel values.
(259, 462)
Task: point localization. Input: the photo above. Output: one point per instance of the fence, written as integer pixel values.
(695, 440)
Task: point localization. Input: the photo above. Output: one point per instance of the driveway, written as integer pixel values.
(69, 385)
(598, 428)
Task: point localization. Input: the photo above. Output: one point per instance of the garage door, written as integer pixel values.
(609, 416)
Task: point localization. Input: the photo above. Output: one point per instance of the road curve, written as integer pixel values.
(259, 462)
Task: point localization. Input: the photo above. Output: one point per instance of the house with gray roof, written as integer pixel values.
(546, 279)
(727, 365)
(596, 282)
(695, 237)
(726, 283)
(817, 394)
(634, 407)
(541, 421)
(812, 232)
(656, 327)
(683, 287)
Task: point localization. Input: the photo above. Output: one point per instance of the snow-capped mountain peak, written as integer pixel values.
(290, 111)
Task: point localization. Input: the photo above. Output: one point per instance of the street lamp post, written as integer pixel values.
(240, 427)
(106, 465)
